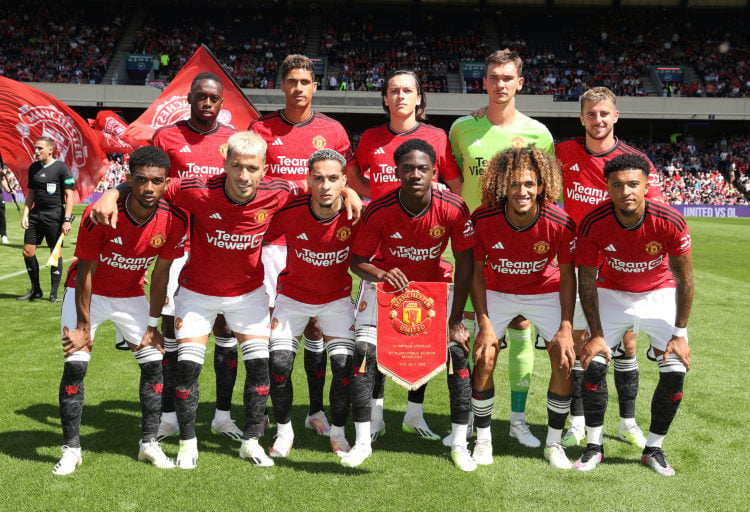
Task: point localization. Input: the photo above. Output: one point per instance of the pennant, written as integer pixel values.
(172, 106)
(413, 332)
(26, 114)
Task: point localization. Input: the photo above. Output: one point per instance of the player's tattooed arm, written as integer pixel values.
(80, 337)
(682, 269)
(462, 283)
(596, 344)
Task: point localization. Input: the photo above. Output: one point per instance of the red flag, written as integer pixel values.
(172, 106)
(109, 128)
(413, 332)
(26, 114)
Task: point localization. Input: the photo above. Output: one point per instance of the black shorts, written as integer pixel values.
(43, 226)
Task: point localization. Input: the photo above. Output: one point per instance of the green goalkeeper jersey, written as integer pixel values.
(476, 141)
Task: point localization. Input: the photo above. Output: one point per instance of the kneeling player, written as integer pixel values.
(318, 237)
(112, 264)
(409, 228)
(638, 242)
(520, 232)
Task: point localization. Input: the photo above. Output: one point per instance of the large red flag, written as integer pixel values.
(110, 127)
(26, 114)
(172, 106)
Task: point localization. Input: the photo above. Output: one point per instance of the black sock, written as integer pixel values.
(282, 393)
(361, 390)
(32, 267)
(595, 393)
(71, 395)
(341, 368)
(187, 393)
(257, 387)
(315, 368)
(459, 385)
(225, 367)
(151, 388)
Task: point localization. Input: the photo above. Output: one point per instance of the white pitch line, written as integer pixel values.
(20, 272)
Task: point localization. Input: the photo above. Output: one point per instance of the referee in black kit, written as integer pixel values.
(50, 191)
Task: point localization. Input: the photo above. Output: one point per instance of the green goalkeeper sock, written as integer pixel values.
(520, 366)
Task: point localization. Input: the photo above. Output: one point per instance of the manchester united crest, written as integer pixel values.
(411, 312)
(158, 240)
(319, 142)
(437, 231)
(362, 306)
(541, 247)
(343, 234)
(275, 323)
(653, 248)
(518, 142)
(177, 322)
(223, 150)
(260, 216)
(66, 330)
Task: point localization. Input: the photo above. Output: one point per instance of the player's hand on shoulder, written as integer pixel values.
(439, 186)
(353, 204)
(479, 113)
(592, 348)
(104, 210)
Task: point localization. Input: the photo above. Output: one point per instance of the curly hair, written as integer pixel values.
(496, 179)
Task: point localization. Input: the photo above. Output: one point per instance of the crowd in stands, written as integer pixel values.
(65, 42)
(118, 168)
(252, 57)
(368, 45)
(565, 51)
(715, 174)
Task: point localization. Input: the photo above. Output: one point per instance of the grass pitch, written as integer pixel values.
(705, 446)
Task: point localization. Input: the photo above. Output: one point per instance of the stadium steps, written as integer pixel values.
(455, 84)
(314, 30)
(117, 69)
(650, 86)
(491, 37)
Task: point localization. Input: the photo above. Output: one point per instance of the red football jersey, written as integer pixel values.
(414, 243)
(124, 254)
(634, 259)
(226, 236)
(193, 153)
(584, 185)
(290, 145)
(375, 153)
(317, 261)
(521, 261)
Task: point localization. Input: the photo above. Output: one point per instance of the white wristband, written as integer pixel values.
(680, 332)
(153, 321)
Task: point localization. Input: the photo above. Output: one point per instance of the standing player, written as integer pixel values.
(645, 282)
(318, 237)
(475, 140)
(520, 234)
(408, 229)
(293, 134)
(582, 161)
(50, 192)
(197, 147)
(404, 103)
(111, 266)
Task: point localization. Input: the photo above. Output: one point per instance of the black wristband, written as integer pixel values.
(68, 219)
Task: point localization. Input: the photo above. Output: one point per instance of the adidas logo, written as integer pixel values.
(186, 149)
(498, 245)
(574, 167)
(477, 142)
(302, 236)
(397, 235)
(215, 216)
(117, 240)
(610, 248)
(379, 151)
(277, 142)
